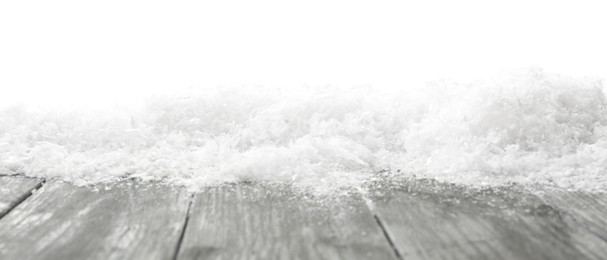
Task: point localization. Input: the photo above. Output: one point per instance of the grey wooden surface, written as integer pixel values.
(427, 220)
(273, 222)
(120, 221)
(412, 220)
(14, 189)
(588, 210)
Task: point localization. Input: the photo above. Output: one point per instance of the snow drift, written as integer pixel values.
(531, 127)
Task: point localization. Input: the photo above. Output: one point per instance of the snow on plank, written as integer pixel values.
(427, 220)
(119, 221)
(15, 189)
(254, 221)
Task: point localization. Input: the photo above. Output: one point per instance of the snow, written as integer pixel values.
(528, 127)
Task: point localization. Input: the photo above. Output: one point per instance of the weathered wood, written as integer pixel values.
(427, 220)
(252, 221)
(588, 209)
(120, 221)
(15, 189)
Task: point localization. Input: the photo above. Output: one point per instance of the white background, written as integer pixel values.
(96, 52)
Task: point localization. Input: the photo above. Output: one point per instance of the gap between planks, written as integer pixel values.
(580, 221)
(387, 236)
(185, 227)
(123, 220)
(426, 219)
(25, 194)
(75, 194)
(258, 221)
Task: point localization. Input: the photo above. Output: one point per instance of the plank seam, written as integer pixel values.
(387, 236)
(183, 230)
(22, 198)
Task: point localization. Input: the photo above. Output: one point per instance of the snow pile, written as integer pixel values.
(531, 128)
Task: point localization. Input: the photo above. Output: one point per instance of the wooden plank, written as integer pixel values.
(427, 220)
(15, 189)
(124, 220)
(589, 210)
(254, 221)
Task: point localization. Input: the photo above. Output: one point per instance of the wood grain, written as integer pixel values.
(15, 189)
(587, 209)
(428, 220)
(253, 221)
(119, 221)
